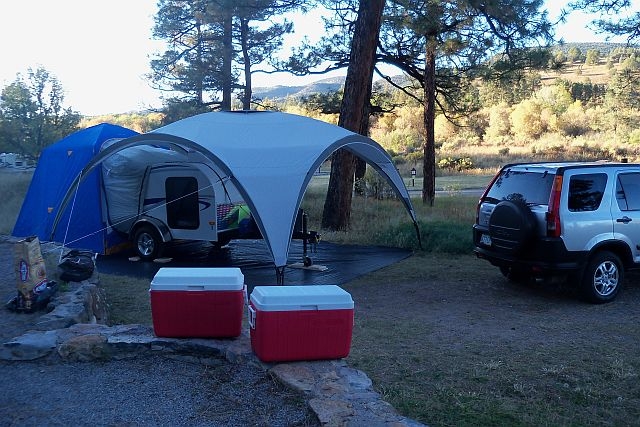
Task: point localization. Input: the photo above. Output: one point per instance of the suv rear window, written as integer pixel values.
(532, 188)
(585, 191)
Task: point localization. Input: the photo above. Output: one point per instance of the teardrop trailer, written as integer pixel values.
(154, 202)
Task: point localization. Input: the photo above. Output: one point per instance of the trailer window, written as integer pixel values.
(182, 203)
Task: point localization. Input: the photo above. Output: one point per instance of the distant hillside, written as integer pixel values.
(576, 72)
(278, 93)
(604, 48)
(333, 84)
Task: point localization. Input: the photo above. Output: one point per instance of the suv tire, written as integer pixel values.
(511, 226)
(602, 277)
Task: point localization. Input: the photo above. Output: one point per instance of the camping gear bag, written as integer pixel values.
(76, 266)
(30, 269)
(39, 299)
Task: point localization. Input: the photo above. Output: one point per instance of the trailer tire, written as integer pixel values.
(147, 243)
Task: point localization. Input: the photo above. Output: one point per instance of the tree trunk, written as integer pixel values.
(227, 58)
(244, 33)
(354, 108)
(361, 165)
(429, 161)
(199, 63)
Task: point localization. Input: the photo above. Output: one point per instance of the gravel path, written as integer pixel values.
(145, 391)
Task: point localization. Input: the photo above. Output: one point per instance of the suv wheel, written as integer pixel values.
(511, 226)
(602, 277)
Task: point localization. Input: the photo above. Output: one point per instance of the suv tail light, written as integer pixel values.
(553, 214)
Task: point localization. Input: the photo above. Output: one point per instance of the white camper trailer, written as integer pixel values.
(156, 195)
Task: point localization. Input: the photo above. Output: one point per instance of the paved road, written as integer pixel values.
(417, 192)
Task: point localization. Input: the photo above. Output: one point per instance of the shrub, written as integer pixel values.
(458, 164)
(526, 121)
(374, 185)
(444, 130)
(574, 121)
(634, 137)
(499, 124)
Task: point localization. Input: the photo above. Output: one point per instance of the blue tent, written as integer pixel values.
(57, 168)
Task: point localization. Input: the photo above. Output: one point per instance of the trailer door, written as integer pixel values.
(190, 210)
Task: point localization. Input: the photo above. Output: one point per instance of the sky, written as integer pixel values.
(99, 50)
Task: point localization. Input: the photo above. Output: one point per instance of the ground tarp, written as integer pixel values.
(343, 262)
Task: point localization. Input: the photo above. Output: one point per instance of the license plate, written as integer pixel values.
(485, 239)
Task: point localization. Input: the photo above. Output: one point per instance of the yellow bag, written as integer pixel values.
(30, 268)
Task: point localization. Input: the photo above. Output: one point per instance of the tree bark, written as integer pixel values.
(355, 103)
(361, 165)
(244, 34)
(227, 58)
(429, 160)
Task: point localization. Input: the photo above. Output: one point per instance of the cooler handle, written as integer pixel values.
(252, 317)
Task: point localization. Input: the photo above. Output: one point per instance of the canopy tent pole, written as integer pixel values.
(280, 275)
(415, 224)
(73, 204)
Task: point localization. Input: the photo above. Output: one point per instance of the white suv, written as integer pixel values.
(573, 220)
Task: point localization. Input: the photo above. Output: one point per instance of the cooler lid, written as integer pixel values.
(306, 297)
(218, 278)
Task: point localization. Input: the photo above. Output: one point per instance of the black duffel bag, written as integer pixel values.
(76, 266)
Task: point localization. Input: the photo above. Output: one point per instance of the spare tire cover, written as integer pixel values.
(511, 226)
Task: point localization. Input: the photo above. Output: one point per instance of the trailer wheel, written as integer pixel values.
(147, 243)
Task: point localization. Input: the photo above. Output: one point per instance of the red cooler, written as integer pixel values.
(300, 322)
(197, 302)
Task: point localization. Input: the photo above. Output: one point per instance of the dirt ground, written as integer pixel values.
(455, 342)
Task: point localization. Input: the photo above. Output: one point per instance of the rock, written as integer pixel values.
(29, 346)
(84, 348)
(332, 412)
(298, 376)
(239, 350)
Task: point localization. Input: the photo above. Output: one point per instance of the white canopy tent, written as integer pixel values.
(270, 157)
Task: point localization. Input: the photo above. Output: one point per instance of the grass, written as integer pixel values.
(127, 299)
(460, 348)
(13, 187)
(443, 227)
